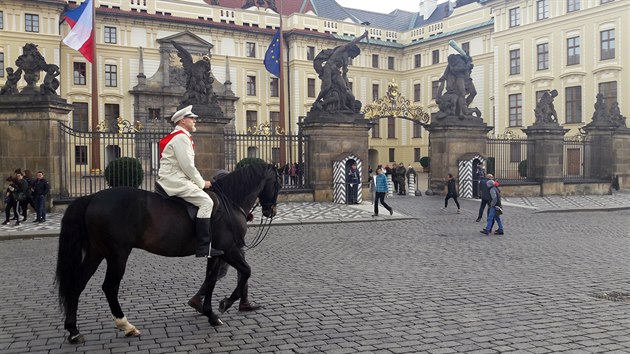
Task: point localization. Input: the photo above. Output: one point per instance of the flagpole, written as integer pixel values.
(96, 143)
(283, 152)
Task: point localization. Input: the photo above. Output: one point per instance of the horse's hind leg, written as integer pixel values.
(236, 260)
(90, 265)
(111, 285)
(213, 270)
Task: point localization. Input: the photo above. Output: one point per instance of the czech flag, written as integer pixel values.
(81, 36)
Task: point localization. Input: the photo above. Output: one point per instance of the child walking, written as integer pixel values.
(451, 192)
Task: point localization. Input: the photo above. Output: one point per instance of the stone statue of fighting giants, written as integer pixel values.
(460, 90)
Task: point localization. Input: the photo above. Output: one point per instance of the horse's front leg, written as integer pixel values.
(212, 275)
(237, 260)
(111, 285)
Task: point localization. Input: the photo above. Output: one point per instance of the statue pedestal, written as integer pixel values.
(209, 141)
(610, 153)
(545, 156)
(329, 137)
(30, 136)
(450, 141)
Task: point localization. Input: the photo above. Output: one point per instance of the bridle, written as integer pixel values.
(261, 234)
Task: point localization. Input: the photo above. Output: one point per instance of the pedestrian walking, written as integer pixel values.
(40, 191)
(485, 196)
(451, 192)
(494, 214)
(381, 190)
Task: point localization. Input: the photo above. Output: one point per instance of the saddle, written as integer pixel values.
(190, 208)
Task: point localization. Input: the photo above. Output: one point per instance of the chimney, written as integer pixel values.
(427, 7)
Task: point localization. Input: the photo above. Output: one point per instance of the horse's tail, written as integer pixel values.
(72, 242)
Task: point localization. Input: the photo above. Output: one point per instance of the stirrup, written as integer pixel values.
(215, 252)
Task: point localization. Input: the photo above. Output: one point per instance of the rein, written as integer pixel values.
(260, 236)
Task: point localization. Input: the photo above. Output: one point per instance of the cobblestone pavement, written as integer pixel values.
(427, 282)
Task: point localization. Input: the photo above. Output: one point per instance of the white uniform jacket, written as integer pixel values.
(178, 174)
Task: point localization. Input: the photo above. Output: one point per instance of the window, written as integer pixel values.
(374, 92)
(251, 85)
(80, 116)
(250, 49)
(154, 113)
(573, 104)
(1, 20)
(515, 151)
(80, 155)
(391, 128)
(311, 88)
(435, 57)
(79, 73)
(609, 90)
(416, 93)
(375, 61)
(417, 130)
(605, 1)
(542, 51)
(607, 46)
(515, 62)
(573, 51)
(274, 89)
(390, 63)
(416, 154)
(31, 23)
(111, 75)
(392, 154)
(466, 47)
(310, 52)
(435, 89)
(573, 5)
(376, 129)
(515, 17)
(350, 86)
(417, 60)
(516, 110)
(1, 64)
(542, 9)
(251, 118)
(110, 34)
(112, 112)
(274, 121)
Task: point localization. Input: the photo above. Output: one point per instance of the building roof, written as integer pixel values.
(287, 7)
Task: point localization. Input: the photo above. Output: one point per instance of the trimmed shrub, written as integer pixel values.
(425, 161)
(522, 168)
(249, 161)
(124, 172)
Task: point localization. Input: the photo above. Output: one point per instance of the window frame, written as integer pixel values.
(1, 20)
(250, 49)
(31, 23)
(375, 60)
(573, 5)
(515, 105)
(310, 87)
(609, 52)
(1, 64)
(542, 10)
(515, 16)
(250, 85)
(435, 86)
(78, 77)
(391, 63)
(310, 52)
(274, 87)
(573, 104)
(417, 61)
(274, 121)
(376, 129)
(573, 50)
(416, 130)
(80, 116)
(375, 92)
(417, 92)
(435, 56)
(111, 75)
(391, 128)
(515, 61)
(251, 121)
(542, 56)
(107, 35)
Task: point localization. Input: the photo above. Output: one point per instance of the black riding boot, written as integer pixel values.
(204, 239)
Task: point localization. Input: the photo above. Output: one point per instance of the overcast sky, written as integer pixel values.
(382, 6)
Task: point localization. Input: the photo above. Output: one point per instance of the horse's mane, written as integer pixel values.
(234, 185)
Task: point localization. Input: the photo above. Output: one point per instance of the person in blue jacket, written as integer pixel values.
(381, 190)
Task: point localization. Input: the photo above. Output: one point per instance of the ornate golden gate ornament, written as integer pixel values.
(265, 129)
(122, 126)
(394, 105)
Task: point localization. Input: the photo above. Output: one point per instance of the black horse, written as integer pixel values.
(92, 230)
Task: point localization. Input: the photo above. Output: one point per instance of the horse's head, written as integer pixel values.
(268, 197)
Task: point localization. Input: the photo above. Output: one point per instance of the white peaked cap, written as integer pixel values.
(183, 113)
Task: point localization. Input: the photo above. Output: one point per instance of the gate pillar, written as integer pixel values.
(210, 151)
(545, 157)
(30, 136)
(328, 137)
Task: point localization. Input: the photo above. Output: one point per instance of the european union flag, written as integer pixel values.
(272, 56)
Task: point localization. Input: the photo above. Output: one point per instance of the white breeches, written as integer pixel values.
(200, 199)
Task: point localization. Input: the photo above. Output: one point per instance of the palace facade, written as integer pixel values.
(519, 48)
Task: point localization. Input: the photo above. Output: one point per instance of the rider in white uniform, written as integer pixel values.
(179, 177)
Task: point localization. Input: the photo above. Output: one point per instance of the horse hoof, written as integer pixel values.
(215, 321)
(76, 339)
(225, 304)
(133, 333)
(196, 305)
